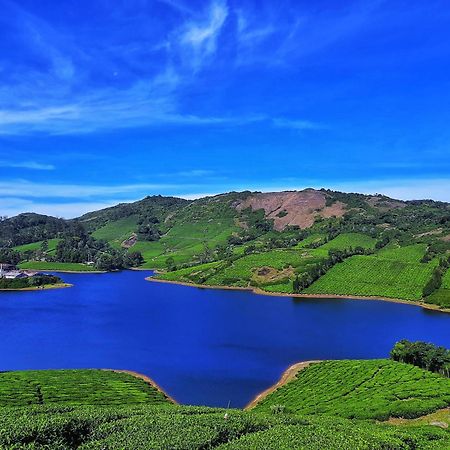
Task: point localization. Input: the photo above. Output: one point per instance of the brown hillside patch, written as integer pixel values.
(298, 208)
(128, 243)
(446, 238)
(429, 233)
(271, 275)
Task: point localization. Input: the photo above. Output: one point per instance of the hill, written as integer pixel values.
(119, 411)
(29, 228)
(307, 242)
(377, 389)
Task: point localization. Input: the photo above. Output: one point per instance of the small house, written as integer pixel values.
(14, 275)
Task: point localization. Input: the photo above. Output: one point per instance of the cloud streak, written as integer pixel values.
(32, 165)
(29, 189)
(199, 37)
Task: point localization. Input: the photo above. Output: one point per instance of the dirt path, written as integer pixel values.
(440, 418)
(146, 379)
(288, 375)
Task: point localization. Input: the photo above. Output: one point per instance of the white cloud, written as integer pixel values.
(12, 206)
(195, 173)
(199, 37)
(408, 189)
(28, 189)
(32, 165)
(296, 124)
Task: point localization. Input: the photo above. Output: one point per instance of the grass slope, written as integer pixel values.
(148, 427)
(209, 222)
(244, 271)
(88, 409)
(392, 273)
(286, 263)
(52, 243)
(75, 387)
(442, 295)
(117, 231)
(377, 389)
(348, 240)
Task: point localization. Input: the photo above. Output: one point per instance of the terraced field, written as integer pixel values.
(442, 295)
(348, 240)
(377, 389)
(90, 410)
(312, 239)
(245, 270)
(184, 241)
(75, 387)
(392, 273)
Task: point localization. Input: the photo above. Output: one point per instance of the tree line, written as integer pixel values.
(436, 278)
(424, 355)
(23, 283)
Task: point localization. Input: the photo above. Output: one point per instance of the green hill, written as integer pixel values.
(75, 387)
(377, 389)
(91, 409)
(305, 242)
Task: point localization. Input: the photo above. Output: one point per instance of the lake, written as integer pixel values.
(203, 347)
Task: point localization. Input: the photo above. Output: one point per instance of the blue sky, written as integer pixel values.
(103, 101)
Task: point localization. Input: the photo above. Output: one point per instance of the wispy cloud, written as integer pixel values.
(68, 210)
(29, 189)
(195, 173)
(32, 165)
(179, 6)
(199, 37)
(296, 124)
(64, 95)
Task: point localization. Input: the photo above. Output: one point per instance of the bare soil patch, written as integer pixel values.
(271, 275)
(128, 243)
(292, 208)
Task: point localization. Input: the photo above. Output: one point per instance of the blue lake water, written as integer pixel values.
(205, 347)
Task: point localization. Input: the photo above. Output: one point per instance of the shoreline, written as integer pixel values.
(288, 375)
(45, 287)
(259, 291)
(145, 378)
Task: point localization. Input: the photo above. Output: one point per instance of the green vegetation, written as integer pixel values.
(149, 427)
(118, 231)
(392, 273)
(34, 246)
(28, 228)
(424, 355)
(389, 248)
(75, 387)
(350, 240)
(377, 389)
(35, 282)
(442, 295)
(92, 409)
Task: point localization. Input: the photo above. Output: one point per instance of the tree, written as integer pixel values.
(427, 356)
(44, 246)
(170, 263)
